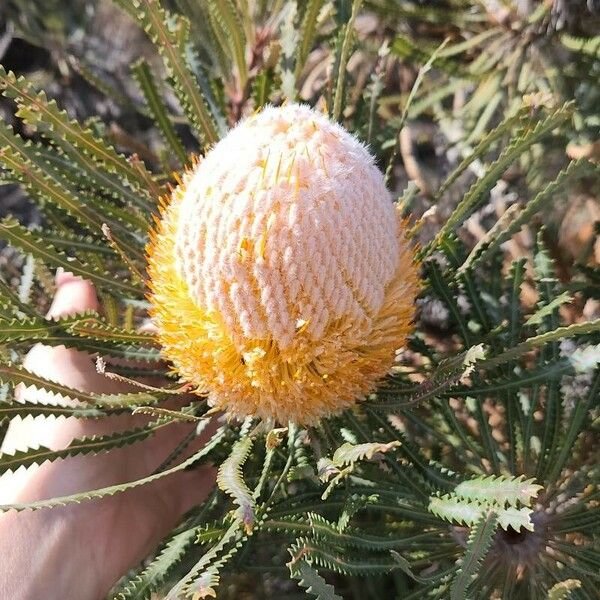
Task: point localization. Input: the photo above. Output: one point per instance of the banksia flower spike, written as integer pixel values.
(281, 281)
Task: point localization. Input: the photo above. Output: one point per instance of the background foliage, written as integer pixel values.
(473, 471)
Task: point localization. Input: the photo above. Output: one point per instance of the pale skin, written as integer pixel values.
(79, 551)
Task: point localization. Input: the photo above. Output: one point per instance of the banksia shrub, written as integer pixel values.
(402, 378)
(282, 281)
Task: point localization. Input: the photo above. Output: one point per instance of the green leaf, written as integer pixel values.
(309, 579)
(24, 409)
(321, 529)
(515, 217)
(453, 509)
(562, 590)
(118, 488)
(537, 341)
(40, 180)
(446, 376)
(589, 46)
(478, 545)
(84, 245)
(230, 480)
(156, 106)
(346, 563)
(548, 309)
(172, 553)
(86, 70)
(93, 327)
(14, 375)
(88, 325)
(33, 328)
(500, 490)
(307, 33)
(527, 137)
(85, 445)
(203, 578)
(400, 123)
(170, 34)
(348, 454)
(19, 237)
(40, 113)
(406, 48)
(226, 14)
(342, 62)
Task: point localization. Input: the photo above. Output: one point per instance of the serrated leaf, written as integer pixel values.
(24, 409)
(314, 584)
(118, 488)
(548, 309)
(527, 137)
(36, 110)
(142, 585)
(307, 33)
(15, 330)
(230, 480)
(537, 341)
(156, 106)
(478, 544)
(20, 237)
(501, 490)
(87, 325)
(80, 446)
(322, 555)
(516, 217)
(348, 454)
(342, 62)
(170, 34)
(203, 578)
(406, 48)
(453, 509)
(589, 46)
(446, 375)
(562, 590)
(13, 375)
(44, 185)
(97, 329)
(227, 15)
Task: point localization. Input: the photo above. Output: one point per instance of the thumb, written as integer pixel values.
(59, 364)
(73, 295)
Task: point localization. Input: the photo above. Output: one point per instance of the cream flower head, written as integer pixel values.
(281, 281)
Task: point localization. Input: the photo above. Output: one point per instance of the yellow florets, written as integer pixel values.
(281, 281)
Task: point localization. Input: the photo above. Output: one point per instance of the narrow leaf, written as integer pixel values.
(314, 584)
(147, 83)
(478, 544)
(230, 480)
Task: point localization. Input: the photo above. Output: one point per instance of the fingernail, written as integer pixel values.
(63, 277)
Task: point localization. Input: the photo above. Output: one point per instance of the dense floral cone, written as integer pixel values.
(281, 281)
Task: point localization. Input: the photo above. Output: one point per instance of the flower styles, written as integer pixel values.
(281, 281)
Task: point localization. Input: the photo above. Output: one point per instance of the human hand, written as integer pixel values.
(78, 551)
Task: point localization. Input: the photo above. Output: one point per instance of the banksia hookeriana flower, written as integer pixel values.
(281, 281)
